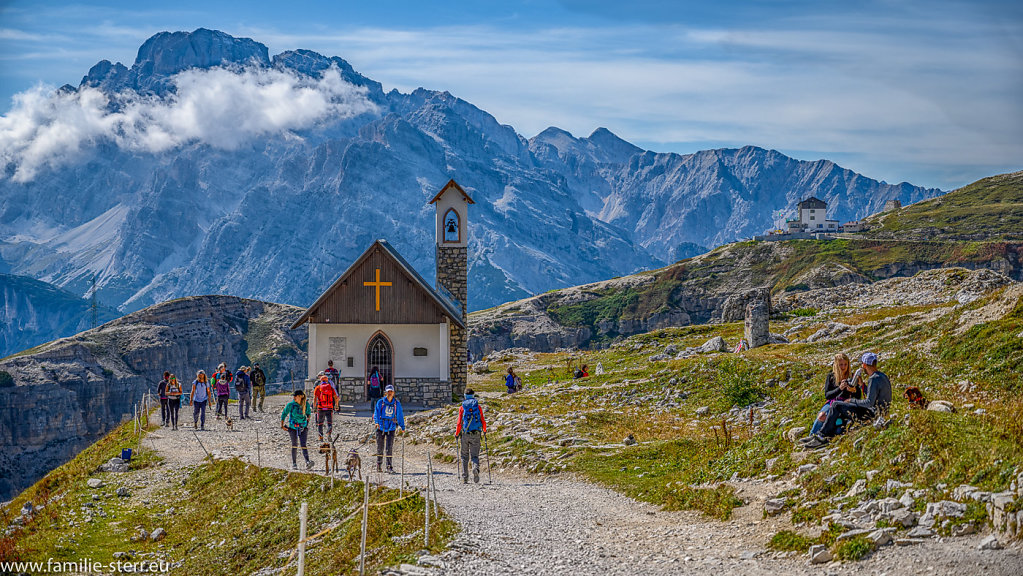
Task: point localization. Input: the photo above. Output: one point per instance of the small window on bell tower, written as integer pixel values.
(452, 229)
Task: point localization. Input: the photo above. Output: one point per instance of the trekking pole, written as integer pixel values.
(401, 486)
(259, 460)
(490, 477)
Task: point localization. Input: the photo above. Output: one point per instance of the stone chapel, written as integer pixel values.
(381, 313)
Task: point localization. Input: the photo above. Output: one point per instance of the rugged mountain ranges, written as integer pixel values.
(70, 392)
(281, 215)
(34, 312)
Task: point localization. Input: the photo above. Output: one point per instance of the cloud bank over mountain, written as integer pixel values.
(224, 108)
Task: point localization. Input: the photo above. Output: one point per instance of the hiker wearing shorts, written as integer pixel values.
(174, 392)
(325, 400)
(200, 396)
(388, 418)
(161, 391)
(243, 386)
(875, 403)
(295, 420)
(469, 430)
(258, 378)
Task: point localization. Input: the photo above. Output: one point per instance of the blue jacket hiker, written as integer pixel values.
(512, 381)
(295, 419)
(468, 429)
(388, 417)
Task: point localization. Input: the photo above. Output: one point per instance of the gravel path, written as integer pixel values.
(550, 525)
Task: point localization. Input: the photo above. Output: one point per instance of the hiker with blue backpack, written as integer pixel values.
(469, 429)
(388, 417)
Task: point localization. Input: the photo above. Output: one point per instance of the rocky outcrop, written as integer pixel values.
(757, 323)
(72, 391)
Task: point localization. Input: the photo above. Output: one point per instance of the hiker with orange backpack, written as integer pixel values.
(326, 401)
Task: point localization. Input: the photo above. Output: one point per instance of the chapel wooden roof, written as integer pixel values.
(406, 299)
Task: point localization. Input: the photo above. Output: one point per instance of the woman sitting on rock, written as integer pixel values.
(839, 386)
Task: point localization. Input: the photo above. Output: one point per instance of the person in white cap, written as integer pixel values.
(388, 417)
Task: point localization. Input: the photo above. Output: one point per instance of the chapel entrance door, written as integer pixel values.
(379, 355)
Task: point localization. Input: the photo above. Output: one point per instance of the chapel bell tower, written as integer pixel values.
(452, 203)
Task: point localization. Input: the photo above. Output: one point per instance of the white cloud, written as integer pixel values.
(218, 107)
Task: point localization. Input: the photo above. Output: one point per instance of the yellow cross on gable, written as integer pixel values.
(377, 284)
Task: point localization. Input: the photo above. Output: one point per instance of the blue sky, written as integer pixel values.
(925, 92)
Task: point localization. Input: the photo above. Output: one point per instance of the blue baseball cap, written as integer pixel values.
(869, 359)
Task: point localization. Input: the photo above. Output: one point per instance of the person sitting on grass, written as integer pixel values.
(839, 386)
(876, 402)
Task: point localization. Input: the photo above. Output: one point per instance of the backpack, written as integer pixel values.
(374, 381)
(324, 397)
(472, 416)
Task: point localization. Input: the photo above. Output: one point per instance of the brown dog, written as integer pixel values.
(230, 424)
(329, 456)
(353, 463)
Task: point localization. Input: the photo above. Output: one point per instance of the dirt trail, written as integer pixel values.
(552, 525)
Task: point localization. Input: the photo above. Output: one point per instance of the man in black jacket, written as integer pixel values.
(161, 391)
(875, 402)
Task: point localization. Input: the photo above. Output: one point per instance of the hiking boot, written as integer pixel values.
(465, 479)
(806, 440)
(379, 469)
(818, 441)
(390, 470)
(309, 464)
(294, 466)
(476, 475)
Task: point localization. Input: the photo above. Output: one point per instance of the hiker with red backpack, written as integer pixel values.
(469, 428)
(325, 399)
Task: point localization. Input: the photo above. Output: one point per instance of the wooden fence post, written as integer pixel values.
(365, 528)
(301, 538)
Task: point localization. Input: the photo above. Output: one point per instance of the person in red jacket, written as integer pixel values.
(325, 399)
(469, 430)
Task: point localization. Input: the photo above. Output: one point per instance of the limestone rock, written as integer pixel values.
(990, 543)
(715, 344)
(94, 483)
(114, 465)
(794, 434)
(858, 487)
(941, 406)
(158, 534)
(819, 554)
(757, 326)
(774, 506)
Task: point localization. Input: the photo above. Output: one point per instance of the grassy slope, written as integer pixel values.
(223, 517)
(991, 208)
(681, 458)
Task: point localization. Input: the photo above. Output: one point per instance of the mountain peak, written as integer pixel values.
(614, 148)
(167, 53)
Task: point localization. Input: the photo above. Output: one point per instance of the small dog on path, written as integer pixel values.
(230, 425)
(329, 456)
(353, 464)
